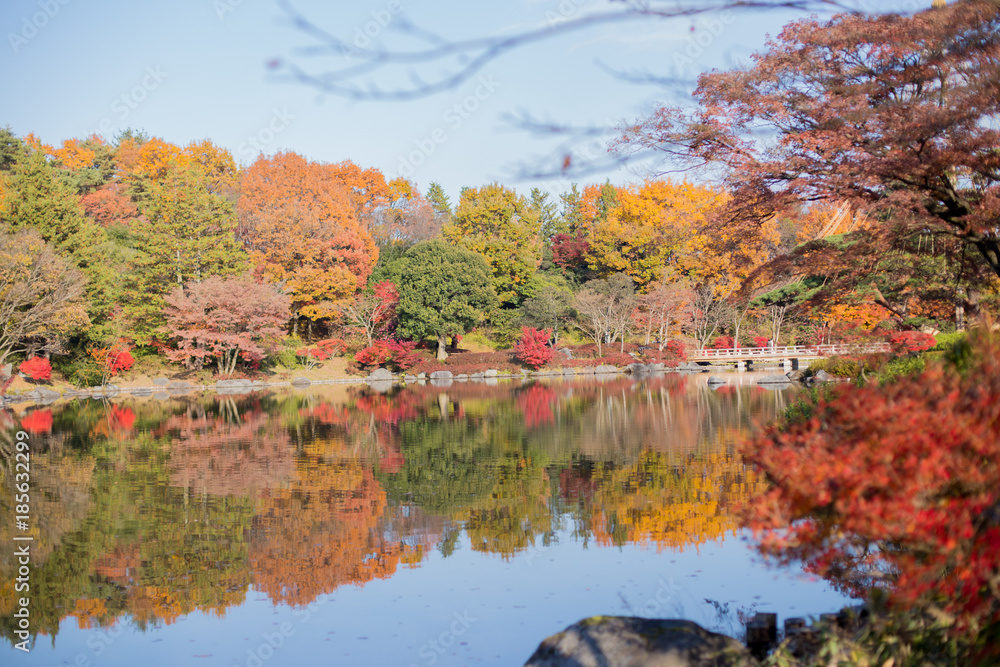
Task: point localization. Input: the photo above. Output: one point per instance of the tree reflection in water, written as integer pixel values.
(155, 509)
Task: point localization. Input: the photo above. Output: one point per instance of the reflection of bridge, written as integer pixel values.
(789, 355)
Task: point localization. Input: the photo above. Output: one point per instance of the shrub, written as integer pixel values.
(113, 359)
(37, 368)
(848, 366)
(910, 342)
(323, 350)
(393, 354)
(898, 368)
(761, 341)
(723, 343)
(533, 348)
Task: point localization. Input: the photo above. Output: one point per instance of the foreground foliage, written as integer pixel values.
(896, 487)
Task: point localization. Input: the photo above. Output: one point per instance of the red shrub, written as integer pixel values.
(761, 341)
(908, 342)
(393, 354)
(614, 359)
(120, 360)
(37, 368)
(533, 348)
(723, 343)
(372, 357)
(672, 353)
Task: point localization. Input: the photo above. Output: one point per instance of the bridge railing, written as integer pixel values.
(789, 351)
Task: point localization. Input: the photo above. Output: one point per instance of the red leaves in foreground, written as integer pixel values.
(896, 485)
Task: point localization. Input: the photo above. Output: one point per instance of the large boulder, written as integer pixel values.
(623, 641)
(442, 375)
(178, 387)
(233, 386)
(380, 374)
(638, 368)
(822, 376)
(605, 368)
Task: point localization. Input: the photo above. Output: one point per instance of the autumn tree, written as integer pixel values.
(41, 294)
(225, 319)
(604, 309)
(444, 291)
(299, 219)
(663, 309)
(654, 228)
(500, 225)
(893, 113)
(372, 311)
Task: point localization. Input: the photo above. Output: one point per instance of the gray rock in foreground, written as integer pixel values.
(605, 368)
(622, 641)
(441, 375)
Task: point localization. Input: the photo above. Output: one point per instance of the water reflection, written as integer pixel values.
(151, 510)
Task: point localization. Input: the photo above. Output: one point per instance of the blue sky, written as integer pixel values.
(193, 69)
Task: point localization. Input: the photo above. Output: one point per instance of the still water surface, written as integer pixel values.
(454, 525)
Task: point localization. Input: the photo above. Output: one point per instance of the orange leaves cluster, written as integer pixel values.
(303, 223)
(895, 485)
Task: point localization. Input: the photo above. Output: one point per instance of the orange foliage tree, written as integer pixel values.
(300, 221)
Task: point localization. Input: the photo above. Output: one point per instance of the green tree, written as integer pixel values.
(188, 236)
(444, 291)
(36, 195)
(439, 202)
(500, 225)
(572, 217)
(551, 307)
(547, 212)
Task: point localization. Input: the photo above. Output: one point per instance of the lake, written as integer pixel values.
(430, 525)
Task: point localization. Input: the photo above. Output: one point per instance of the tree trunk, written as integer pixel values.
(442, 344)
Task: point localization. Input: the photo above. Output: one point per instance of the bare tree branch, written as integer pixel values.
(459, 60)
